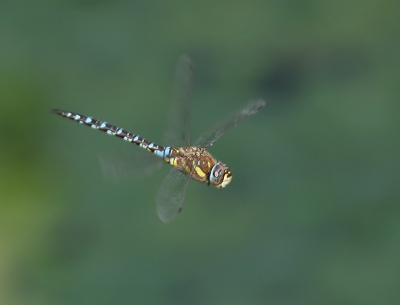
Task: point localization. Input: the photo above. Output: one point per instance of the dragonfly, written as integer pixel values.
(189, 161)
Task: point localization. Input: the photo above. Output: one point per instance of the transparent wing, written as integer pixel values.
(178, 128)
(171, 195)
(120, 165)
(210, 137)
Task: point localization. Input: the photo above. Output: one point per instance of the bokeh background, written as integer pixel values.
(312, 215)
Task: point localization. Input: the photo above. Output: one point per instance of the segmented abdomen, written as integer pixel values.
(160, 151)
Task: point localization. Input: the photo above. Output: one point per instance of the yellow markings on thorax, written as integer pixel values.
(199, 172)
(174, 161)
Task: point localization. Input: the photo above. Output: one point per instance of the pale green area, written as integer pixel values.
(312, 215)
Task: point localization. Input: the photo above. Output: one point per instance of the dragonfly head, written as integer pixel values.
(220, 175)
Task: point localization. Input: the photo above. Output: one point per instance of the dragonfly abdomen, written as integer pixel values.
(159, 151)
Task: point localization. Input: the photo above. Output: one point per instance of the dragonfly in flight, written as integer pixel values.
(189, 161)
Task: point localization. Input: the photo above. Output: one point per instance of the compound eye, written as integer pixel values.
(217, 175)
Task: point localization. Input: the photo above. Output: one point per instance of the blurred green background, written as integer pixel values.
(312, 215)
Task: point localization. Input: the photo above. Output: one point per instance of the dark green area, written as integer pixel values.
(312, 215)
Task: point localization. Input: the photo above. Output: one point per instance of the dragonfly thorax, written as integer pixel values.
(200, 165)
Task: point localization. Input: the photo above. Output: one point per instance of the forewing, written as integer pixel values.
(171, 195)
(210, 137)
(178, 127)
